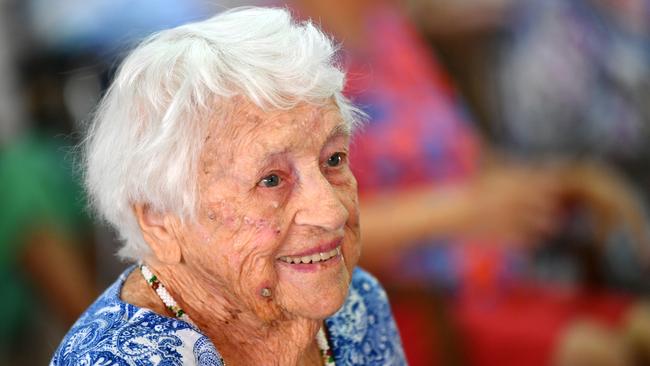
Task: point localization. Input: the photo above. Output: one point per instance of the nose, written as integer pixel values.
(319, 204)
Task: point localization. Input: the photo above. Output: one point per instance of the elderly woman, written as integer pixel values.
(219, 154)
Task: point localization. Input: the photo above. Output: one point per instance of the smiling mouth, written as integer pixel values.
(314, 258)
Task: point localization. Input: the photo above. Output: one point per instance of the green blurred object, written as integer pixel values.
(38, 190)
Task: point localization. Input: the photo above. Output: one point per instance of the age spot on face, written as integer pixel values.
(257, 224)
(248, 220)
(253, 118)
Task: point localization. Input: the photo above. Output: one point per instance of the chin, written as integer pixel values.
(322, 305)
(314, 295)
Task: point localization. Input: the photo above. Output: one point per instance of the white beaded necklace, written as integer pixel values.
(170, 303)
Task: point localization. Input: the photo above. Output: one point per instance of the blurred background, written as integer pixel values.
(504, 171)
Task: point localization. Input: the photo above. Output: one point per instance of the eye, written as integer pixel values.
(336, 159)
(270, 181)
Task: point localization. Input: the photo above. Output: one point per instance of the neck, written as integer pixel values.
(244, 334)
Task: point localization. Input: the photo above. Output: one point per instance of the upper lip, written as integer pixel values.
(320, 248)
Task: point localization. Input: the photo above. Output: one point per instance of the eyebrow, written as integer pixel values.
(340, 129)
(269, 160)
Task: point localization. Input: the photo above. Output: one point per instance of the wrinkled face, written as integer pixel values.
(278, 210)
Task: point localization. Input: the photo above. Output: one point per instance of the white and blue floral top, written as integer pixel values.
(112, 332)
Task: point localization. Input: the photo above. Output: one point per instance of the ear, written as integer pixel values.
(159, 232)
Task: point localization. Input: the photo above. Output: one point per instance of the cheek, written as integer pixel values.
(256, 238)
(347, 193)
(251, 262)
(247, 243)
(239, 244)
(352, 248)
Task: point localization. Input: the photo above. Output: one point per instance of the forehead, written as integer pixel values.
(303, 120)
(249, 133)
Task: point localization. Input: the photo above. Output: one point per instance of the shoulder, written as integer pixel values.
(113, 332)
(363, 331)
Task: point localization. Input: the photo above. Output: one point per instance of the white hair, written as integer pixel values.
(144, 142)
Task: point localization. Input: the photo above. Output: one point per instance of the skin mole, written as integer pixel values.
(233, 315)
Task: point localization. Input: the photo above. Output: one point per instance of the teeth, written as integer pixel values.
(315, 258)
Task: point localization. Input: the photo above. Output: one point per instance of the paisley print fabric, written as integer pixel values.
(112, 332)
(363, 331)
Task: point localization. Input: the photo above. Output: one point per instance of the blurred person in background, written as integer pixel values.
(573, 81)
(44, 232)
(443, 212)
(573, 78)
(561, 80)
(569, 80)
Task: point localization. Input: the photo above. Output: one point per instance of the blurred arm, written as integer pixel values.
(60, 273)
(390, 222)
(506, 203)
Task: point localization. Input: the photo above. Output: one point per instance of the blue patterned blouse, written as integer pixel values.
(112, 332)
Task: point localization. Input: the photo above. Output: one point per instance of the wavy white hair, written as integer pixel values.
(144, 142)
